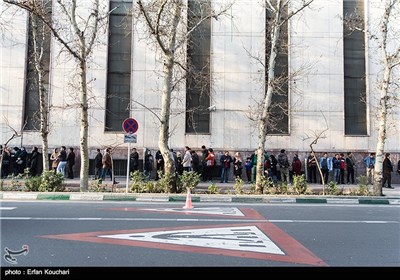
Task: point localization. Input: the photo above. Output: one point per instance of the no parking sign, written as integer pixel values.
(130, 125)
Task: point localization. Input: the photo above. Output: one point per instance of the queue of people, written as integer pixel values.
(338, 168)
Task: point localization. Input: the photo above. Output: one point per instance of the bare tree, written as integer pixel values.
(387, 41)
(317, 135)
(165, 23)
(76, 29)
(39, 31)
(391, 59)
(280, 15)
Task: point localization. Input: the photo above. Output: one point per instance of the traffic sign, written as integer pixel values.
(130, 125)
(130, 138)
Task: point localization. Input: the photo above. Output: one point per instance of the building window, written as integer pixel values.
(355, 106)
(278, 122)
(198, 61)
(119, 64)
(43, 39)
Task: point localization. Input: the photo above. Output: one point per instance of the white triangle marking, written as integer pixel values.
(228, 211)
(241, 238)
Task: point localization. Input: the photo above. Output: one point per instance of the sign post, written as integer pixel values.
(130, 126)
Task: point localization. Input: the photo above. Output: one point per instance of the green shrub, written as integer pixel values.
(137, 182)
(238, 186)
(299, 184)
(96, 186)
(165, 182)
(189, 179)
(213, 189)
(51, 182)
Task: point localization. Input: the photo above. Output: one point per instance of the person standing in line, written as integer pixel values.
(187, 160)
(70, 163)
(248, 166)
(350, 168)
(134, 160)
(62, 161)
(204, 154)
(98, 164)
(33, 162)
(148, 164)
(336, 168)
(312, 168)
(238, 165)
(54, 160)
(159, 164)
(210, 159)
(225, 160)
(387, 169)
(369, 162)
(195, 162)
(284, 166)
(296, 165)
(325, 163)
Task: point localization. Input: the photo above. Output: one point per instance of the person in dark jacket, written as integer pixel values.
(387, 169)
(134, 161)
(70, 163)
(98, 164)
(33, 162)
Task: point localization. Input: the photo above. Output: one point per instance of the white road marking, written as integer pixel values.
(241, 238)
(7, 208)
(229, 211)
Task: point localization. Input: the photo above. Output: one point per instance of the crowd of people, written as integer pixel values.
(338, 168)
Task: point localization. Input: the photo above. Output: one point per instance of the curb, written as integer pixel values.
(263, 199)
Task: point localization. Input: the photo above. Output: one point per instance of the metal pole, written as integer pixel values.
(127, 167)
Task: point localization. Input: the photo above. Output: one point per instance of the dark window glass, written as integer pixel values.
(355, 108)
(198, 61)
(119, 64)
(278, 122)
(43, 38)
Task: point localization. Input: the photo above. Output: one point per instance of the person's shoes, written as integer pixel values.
(390, 187)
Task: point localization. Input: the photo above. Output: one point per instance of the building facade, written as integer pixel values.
(334, 85)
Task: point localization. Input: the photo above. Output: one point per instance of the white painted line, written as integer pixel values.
(341, 201)
(85, 196)
(280, 200)
(228, 211)
(215, 199)
(22, 195)
(7, 208)
(151, 199)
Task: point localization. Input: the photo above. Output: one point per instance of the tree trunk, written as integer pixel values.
(262, 125)
(84, 127)
(379, 152)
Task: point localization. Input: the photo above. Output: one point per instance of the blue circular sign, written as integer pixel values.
(130, 125)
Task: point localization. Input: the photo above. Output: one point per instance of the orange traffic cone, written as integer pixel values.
(188, 204)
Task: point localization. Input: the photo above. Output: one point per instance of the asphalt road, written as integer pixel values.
(71, 234)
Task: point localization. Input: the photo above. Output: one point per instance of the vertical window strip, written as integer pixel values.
(119, 65)
(355, 106)
(198, 61)
(32, 104)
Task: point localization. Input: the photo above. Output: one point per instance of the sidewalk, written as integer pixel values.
(201, 194)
